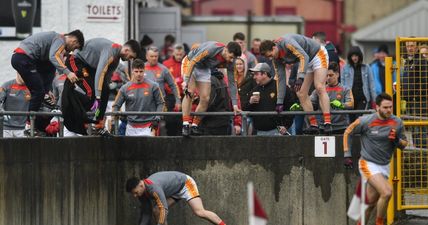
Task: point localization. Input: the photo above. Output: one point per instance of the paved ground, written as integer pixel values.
(413, 222)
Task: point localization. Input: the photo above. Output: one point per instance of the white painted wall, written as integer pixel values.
(63, 16)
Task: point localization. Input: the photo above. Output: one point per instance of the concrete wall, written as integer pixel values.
(63, 16)
(81, 180)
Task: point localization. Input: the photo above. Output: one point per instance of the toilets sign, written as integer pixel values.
(104, 13)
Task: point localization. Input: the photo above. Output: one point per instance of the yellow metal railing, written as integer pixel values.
(412, 107)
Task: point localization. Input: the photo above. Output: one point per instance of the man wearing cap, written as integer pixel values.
(264, 98)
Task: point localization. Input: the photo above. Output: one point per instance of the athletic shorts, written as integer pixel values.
(319, 61)
(368, 169)
(199, 74)
(138, 131)
(189, 191)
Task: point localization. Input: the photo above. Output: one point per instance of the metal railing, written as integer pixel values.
(116, 115)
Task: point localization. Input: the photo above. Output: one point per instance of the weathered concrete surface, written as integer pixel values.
(81, 180)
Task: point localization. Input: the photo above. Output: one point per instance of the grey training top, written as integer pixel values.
(14, 97)
(46, 46)
(160, 74)
(375, 144)
(143, 97)
(102, 55)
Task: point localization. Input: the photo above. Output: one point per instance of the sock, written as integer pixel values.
(196, 121)
(222, 223)
(359, 222)
(186, 120)
(327, 118)
(313, 121)
(379, 221)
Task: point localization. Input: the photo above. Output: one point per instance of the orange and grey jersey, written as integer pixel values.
(14, 97)
(294, 48)
(376, 147)
(140, 97)
(160, 74)
(159, 187)
(344, 95)
(46, 46)
(102, 55)
(206, 56)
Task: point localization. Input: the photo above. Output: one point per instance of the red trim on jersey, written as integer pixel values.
(88, 88)
(116, 45)
(219, 44)
(19, 87)
(220, 58)
(383, 123)
(20, 51)
(148, 181)
(281, 53)
(73, 64)
(335, 88)
(150, 67)
(137, 86)
(278, 40)
(140, 125)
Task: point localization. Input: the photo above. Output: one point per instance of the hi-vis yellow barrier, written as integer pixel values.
(409, 170)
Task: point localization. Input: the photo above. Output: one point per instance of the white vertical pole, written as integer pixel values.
(363, 201)
(250, 195)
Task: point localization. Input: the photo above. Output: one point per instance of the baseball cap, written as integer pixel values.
(261, 67)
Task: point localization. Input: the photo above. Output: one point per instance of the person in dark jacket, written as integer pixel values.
(264, 98)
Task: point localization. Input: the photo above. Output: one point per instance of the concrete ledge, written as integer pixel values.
(81, 180)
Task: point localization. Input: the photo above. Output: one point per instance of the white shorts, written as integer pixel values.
(68, 133)
(13, 133)
(319, 61)
(189, 191)
(368, 169)
(138, 131)
(200, 75)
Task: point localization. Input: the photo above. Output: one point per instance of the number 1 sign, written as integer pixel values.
(325, 146)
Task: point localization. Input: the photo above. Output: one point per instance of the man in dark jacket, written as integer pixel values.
(264, 98)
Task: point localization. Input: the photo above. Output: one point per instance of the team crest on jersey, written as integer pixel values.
(146, 93)
(158, 74)
(272, 95)
(339, 96)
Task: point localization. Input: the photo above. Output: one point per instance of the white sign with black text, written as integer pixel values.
(325, 146)
(104, 13)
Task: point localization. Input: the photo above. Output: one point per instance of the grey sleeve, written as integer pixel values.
(232, 83)
(349, 99)
(158, 98)
(106, 58)
(119, 100)
(171, 83)
(55, 56)
(297, 50)
(281, 82)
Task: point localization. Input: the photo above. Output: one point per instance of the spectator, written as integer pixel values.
(140, 95)
(219, 102)
(358, 77)
(173, 123)
(264, 98)
(144, 44)
(321, 38)
(414, 90)
(378, 69)
(255, 49)
(14, 96)
(423, 51)
(245, 83)
(251, 59)
(340, 99)
(166, 50)
(159, 73)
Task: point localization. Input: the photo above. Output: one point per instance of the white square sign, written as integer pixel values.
(325, 146)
